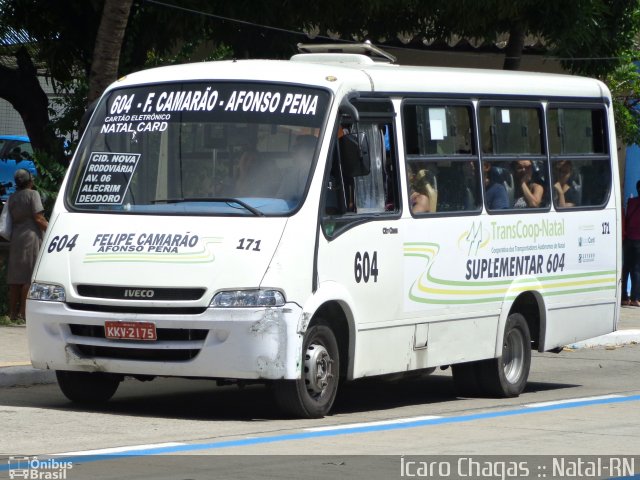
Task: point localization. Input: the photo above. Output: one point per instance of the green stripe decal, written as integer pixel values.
(431, 289)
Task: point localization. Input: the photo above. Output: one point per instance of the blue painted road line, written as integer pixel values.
(399, 425)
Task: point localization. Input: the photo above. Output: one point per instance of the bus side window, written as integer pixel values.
(352, 190)
(514, 156)
(442, 163)
(580, 160)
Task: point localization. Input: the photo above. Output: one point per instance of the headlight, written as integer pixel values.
(248, 298)
(46, 291)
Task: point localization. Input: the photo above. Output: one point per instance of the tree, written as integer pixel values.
(61, 46)
(85, 42)
(106, 53)
(79, 44)
(21, 88)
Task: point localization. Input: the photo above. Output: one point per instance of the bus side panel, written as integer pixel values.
(422, 345)
(470, 267)
(457, 341)
(462, 313)
(582, 296)
(576, 323)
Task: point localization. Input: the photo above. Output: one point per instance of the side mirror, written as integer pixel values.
(354, 154)
(348, 109)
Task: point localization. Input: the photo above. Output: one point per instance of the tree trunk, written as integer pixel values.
(513, 50)
(106, 53)
(21, 88)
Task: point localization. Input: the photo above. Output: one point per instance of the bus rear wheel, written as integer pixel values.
(506, 376)
(87, 387)
(312, 396)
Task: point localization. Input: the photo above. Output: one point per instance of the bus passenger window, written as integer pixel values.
(514, 156)
(439, 146)
(579, 152)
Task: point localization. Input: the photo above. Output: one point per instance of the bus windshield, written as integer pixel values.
(199, 148)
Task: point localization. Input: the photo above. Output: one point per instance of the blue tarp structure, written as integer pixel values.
(631, 172)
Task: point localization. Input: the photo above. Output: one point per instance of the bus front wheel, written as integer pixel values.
(506, 376)
(312, 396)
(87, 387)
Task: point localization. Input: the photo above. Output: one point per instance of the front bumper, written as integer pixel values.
(226, 343)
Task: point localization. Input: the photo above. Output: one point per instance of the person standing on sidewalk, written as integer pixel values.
(631, 248)
(25, 208)
(625, 270)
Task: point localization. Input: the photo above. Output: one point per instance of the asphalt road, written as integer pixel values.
(583, 402)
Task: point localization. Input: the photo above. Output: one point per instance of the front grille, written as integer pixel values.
(137, 353)
(164, 334)
(97, 346)
(127, 309)
(147, 293)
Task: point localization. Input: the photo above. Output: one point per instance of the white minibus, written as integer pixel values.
(307, 222)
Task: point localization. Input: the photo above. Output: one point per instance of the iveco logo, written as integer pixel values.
(138, 293)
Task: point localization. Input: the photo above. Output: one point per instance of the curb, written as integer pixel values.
(24, 376)
(614, 339)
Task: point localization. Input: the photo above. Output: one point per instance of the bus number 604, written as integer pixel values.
(365, 267)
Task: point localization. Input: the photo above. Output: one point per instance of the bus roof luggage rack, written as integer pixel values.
(367, 49)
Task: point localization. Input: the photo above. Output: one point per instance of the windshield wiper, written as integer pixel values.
(245, 205)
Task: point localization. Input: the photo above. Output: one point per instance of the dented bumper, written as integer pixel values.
(233, 343)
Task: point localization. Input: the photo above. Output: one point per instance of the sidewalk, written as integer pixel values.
(16, 370)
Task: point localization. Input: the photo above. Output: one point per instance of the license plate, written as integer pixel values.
(130, 330)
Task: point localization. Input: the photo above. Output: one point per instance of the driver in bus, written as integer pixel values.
(295, 177)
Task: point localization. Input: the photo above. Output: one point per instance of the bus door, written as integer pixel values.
(360, 245)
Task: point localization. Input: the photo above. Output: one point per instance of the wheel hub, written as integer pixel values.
(513, 356)
(317, 369)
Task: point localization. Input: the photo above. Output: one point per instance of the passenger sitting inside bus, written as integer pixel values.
(528, 193)
(424, 196)
(495, 192)
(564, 192)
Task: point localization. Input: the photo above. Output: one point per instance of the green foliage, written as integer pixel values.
(590, 36)
(624, 83)
(68, 107)
(64, 30)
(51, 174)
(187, 53)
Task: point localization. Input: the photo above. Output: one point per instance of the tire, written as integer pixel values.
(506, 376)
(87, 387)
(466, 379)
(312, 396)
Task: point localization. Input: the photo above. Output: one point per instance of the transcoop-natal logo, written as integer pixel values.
(476, 237)
(37, 469)
(473, 239)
